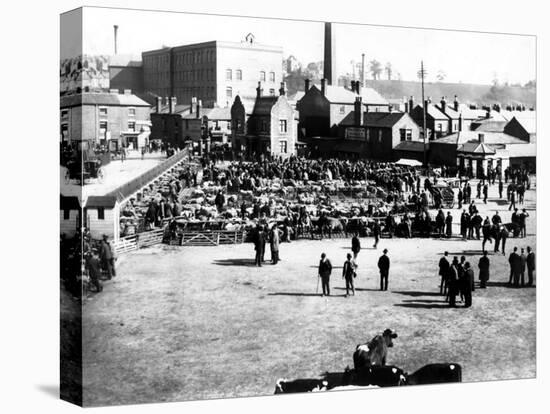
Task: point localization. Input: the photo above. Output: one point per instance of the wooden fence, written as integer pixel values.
(208, 238)
(137, 241)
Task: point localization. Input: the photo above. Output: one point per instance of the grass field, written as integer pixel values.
(203, 322)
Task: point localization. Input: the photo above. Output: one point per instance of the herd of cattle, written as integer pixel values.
(370, 370)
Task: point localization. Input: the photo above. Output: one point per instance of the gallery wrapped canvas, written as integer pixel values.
(253, 206)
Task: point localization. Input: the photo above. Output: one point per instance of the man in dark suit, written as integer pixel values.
(259, 245)
(503, 237)
(325, 269)
(523, 264)
(515, 267)
(522, 222)
(483, 270)
(468, 279)
(355, 245)
(384, 267)
(376, 233)
(94, 270)
(530, 265)
(348, 273)
(107, 257)
(444, 273)
(453, 282)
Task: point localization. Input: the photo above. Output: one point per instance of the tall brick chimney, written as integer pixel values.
(115, 27)
(329, 63)
(306, 86)
(357, 112)
(323, 86)
(456, 103)
(259, 89)
(282, 89)
(352, 83)
(443, 104)
(198, 111)
(411, 104)
(159, 104)
(172, 105)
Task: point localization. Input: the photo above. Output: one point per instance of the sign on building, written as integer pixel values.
(355, 133)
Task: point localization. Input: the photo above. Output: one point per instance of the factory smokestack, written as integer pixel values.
(116, 32)
(329, 69)
(362, 68)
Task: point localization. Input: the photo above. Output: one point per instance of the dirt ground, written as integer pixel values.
(203, 322)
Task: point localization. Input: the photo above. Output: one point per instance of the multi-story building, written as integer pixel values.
(270, 128)
(99, 117)
(214, 72)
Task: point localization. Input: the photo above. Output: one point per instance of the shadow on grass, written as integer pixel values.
(421, 305)
(468, 253)
(359, 289)
(415, 293)
(297, 294)
(235, 262)
(507, 285)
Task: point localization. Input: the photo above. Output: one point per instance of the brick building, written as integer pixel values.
(270, 128)
(99, 117)
(214, 72)
(323, 108)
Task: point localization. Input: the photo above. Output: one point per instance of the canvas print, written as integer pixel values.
(252, 206)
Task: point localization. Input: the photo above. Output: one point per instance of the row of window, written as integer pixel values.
(405, 134)
(239, 75)
(195, 75)
(283, 125)
(229, 92)
(103, 125)
(103, 111)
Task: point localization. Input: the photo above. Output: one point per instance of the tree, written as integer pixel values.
(532, 84)
(375, 69)
(389, 70)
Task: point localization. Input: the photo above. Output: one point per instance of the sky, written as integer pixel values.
(468, 57)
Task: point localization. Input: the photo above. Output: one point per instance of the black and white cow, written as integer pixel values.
(285, 386)
(380, 376)
(435, 374)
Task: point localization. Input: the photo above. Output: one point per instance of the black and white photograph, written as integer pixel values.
(254, 206)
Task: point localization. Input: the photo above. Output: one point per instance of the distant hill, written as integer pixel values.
(466, 92)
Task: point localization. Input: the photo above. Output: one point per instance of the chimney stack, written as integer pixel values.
(159, 104)
(329, 72)
(358, 112)
(443, 104)
(488, 113)
(352, 83)
(358, 87)
(115, 27)
(259, 89)
(456, 103)
(481, 138)
(282, 89)
(460, 122)
(172, 105)
(199, 104)
(411, 104)
(363, 68)
(306, 85)
(193, 103)
(323, 86)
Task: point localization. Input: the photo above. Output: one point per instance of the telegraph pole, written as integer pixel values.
(422, 75)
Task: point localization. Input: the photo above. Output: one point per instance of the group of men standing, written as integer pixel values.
(261, 237)
(518, 264)
(349, 269)
(457, 278)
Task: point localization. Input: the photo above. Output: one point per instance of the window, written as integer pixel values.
(64, 113)
(406, 134)
(103, 111)
(263, 127)
(282, 126)
(262, 76)
(272, 76)
(283, 147)
(228, 74)
(439, 126)
(272, 92)
(103, 126)
(131, 126)
(229, 92)
(66, 214)
(239, 74)
(101, 213)
(342, 109)
(379, 136)
(229, 125)
(131, 111)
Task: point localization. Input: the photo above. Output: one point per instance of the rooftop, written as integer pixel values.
(339, 94)
(490, 138)
(101, 98)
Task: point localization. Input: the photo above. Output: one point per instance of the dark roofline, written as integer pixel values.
(101, 201)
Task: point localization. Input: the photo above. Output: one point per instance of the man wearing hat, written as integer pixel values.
(348, 273)
(325, 269)
(444, 272)
(468, 282)
(107, 258)
(94, 269)
(483, 270)
(453, 282)
(384, 267)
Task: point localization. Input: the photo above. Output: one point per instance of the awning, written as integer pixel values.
(408, 162)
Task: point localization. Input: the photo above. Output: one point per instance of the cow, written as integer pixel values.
(285, 386)
(435, 374)
(375, 351)
(380, 376)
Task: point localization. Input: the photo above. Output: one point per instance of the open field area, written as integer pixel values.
(203, 322)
